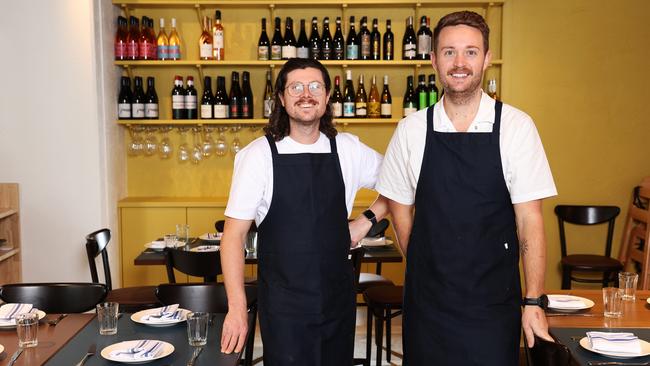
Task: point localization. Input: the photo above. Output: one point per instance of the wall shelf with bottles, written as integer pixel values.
(243, 122)
(273, 63)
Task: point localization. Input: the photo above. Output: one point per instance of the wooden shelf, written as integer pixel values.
(244, 122)
(253, 3)
(273, 63)
(4, 212)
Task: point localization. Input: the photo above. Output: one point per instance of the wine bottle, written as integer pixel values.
(132, 39)
(314, 41)
(120, 38)
(352, 43)
(389, 43)
(178, 99)
(424, 40)
(433, 90)
(268, 96)
(162, 42)
(408, 42)
(137, 103)
(338, 43)
(336, 100)
(276, 42)
(410, 103)
(348, 97)
(235, 97)
(124, 99)
(144, 42)
(174, 43)
(375, 41)
(152, 39)
(492, 89)
(205, 41)
(289, 44)
(303, 47)
(422, 92)
(364, 39)
(326, 45)
(221, 104)
(361, 100)
(374, 103)
(386, 101)
(207, 100)
(246, 96)
(263, 44)
(191, 96)
(151, 100)
(218, 40)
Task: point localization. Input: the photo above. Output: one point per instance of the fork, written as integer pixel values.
(56, 320)
(196, 354)
(91, 352)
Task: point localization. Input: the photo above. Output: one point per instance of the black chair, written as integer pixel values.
(605, 264)
(211, 298)
(546, 353)
(131, 299)
(368, 280)
(384, 303)
(56, 298)
(199, 264)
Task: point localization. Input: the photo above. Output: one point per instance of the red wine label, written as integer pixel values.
(120, 51)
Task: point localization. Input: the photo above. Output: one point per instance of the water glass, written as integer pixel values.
(197, 329)
(612, 302)
(182, 233)
(27, 328)
(170, 240)
(251, 244)
(627, 283)
(107, 317)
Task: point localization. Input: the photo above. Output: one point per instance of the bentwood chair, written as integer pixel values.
(366, 279)
(131, 299)
(199, 264)
(581, 263)
(546, 353)
(211, 298)
(56, 298)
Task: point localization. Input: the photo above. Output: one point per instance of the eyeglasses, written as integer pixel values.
(296, 89)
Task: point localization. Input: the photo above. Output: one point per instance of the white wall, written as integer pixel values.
(56, 133)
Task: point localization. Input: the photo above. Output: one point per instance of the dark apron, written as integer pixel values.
(306, 294)
(462, 293)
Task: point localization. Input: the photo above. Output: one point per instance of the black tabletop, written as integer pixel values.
(571, 338)
(127, 329)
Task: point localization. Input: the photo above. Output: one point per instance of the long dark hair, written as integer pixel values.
(278, 126)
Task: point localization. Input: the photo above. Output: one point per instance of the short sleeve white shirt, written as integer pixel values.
(525, 167)
(252, 181)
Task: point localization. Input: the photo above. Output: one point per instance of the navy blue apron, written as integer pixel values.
(306, 294)
(462, 293)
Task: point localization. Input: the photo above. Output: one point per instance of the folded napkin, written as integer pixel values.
(626, 343)
(206, 248)
(164, 314)
(211, 236)
(157, 244)
(12, 310)
(369, 241)
(137, 351)
(565, 302)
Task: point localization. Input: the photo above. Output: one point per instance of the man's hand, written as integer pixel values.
(359, 227)
(233, 333)
(533, 321)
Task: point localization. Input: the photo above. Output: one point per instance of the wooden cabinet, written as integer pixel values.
(10, 265)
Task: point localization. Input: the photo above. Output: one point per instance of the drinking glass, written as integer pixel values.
(235, 145)
(135, 147)
(251, 244)
(197, 150)
(150, 141)
(170, 240)
(197, 329)
(27, 329)
(183, 149)
(182, 233)
(107, 317)
(165, 148)
(612, 302)
(208, 142)
(221, 145)
(627, 283)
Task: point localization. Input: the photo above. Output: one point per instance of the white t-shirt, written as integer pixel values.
(525, 167)
(252, 180)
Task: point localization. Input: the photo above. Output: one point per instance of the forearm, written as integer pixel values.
(532, 243)
(402, 216)
(232, 263)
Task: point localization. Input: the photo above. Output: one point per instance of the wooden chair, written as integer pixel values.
(198, 264)
(588, 215)
(211, 298)
(56, 298)
(131, 299)
(636, 236)
(546, 353)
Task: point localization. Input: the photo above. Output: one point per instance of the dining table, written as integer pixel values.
(569, 328)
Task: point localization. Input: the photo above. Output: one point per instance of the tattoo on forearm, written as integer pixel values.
(523, 246)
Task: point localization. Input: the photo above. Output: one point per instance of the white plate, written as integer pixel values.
(375, 242)
(167, 349)
(588, 304)
(137, 317)
(12, 323)
(205, 248)
(648, 300)
(645, 349)
(211, 237)
(155, 245)
(2, 348)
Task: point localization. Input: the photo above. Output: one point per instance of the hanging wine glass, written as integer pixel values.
(235, 145)
(208, 142)
(150, 141)
(165, 147)
(183, 149)
(135, 147)
(196, 154)
(221, 145)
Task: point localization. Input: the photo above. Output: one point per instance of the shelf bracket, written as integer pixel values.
(271, 14)
(198, 13)
(201, 77)
(129, 71)
(126, 10)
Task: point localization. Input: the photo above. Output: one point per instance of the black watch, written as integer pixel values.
(541, 301)
(370, 216)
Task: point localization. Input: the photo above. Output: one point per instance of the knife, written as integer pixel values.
(573, 314)
(616, 363)
(14, 357)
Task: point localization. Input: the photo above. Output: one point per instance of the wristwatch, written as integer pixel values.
(370, 216)
(541, 301)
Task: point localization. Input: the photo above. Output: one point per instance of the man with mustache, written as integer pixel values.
(465, 179)
(298, 183)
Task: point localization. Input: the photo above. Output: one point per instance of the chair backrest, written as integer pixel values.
(587, 215)
(96, 243)
(56, 297)
(199, 264)
(546, 353)
(203, 297)
(219, 225)
(356, 255)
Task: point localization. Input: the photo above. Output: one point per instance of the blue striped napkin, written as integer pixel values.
(140, 350)
(9, 312)
(164, 314)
